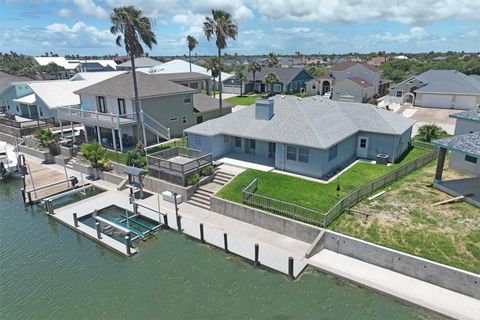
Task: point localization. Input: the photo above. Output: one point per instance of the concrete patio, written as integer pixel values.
(461, 187)
(248, 161)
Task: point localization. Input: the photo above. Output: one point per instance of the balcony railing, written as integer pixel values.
(94, 117)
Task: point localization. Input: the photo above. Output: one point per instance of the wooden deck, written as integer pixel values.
(42, 175)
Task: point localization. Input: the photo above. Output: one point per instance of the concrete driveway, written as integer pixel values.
(423, 116)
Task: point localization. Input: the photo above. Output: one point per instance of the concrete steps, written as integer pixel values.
(201, 197)
(222, 177)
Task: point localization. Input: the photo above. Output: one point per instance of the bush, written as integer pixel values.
(206, 171)
(46, 140)
(429, 132)
(95, 155)
(193, 179)
(373, 101)
(135, 158)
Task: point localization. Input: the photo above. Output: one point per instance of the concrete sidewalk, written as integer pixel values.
(406, 288)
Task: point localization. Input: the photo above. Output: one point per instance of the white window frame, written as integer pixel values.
(173, 119)
(305, 156)
(277, 87)
(102, 107)
(401, 93)
(291, 153)
(187, 98)
(295, 85)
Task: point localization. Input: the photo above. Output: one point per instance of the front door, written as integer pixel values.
(362, 147)
(271, 150)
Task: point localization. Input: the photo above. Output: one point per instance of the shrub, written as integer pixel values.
(46, 140)
(206, 171)
(429, 132)
(373, 101)
(135, 158)
(96, 155)
(193, 179)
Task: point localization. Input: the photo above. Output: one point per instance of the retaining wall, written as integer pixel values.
(290, 228)
(44, 155)
(10, 139)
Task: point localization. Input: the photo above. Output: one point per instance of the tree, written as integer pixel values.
(272, 59)
(95, 154)
(192, 43)
(254, 67)
(46, 139)
(429, 132)
(130, 25)
(135, 158)
(222, 27)
(240, 76)
(271, 79)
(212, 66)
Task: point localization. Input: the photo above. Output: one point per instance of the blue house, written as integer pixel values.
(312, 136)
(292, 80)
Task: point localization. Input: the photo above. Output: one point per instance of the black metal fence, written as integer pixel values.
(323, 219)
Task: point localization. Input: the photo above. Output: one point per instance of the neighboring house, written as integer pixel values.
(319, 85)
(192, 80)
(369, 75)
(140, 62)
(106, 109)
(40, 99)
(311, 136)
(439, 89)
(377, 61)
(180, 66)
(69, 67)
(467, 123)
(206, 108)
(95, 65)
(292, 80)
(6, 81)
(353, 89)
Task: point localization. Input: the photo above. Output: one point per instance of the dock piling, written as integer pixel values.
(99, 233)
(127, 244)
(165, 221)
(202, 236)
(290, 268)
(225, 242)
(179, 223)
(257, 249)
(23, 194)
(75, 220)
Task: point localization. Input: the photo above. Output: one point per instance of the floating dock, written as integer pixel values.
(42, 182)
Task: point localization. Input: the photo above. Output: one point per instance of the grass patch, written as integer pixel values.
(403, 219)
(308, 193)
(245, 100)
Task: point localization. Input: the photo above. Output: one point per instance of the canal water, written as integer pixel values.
(48, 271)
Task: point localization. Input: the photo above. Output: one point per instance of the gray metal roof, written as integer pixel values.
(286, 75)
(448, 81)
(313, 122)
(135, 171)
(122, 86)
(204, 103)
(141, 62)
(466, 143)
(473, 115)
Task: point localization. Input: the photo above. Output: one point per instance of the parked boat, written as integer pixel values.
(8, 160)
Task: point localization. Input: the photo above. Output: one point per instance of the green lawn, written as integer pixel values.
(309, 193)
(245, 100)
(403, 219)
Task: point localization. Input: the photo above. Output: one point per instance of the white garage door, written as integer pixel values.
(465, 102)
(435, 101)
(231, 89)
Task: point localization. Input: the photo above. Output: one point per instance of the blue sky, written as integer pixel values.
(309, 26)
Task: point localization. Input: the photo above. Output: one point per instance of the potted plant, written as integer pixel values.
(46, 140)
(96, 155)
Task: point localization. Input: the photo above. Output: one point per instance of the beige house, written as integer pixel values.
(353, 90)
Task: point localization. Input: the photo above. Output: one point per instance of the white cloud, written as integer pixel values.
(64, 13)
(90, 8)
(415, 34)
(403, 11)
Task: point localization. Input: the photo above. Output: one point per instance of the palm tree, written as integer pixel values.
(272, 59)
(429, 132)
(46, 139)
(192, 43)
(240, 76)
(254, 67)
(129, 24)
(221, 26)
(271, 78)
(212, 66)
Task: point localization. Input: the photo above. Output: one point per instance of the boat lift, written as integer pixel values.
(135, 179)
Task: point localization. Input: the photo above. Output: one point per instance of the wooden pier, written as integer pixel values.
(40, 182)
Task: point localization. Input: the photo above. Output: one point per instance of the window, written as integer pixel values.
(292, 153)
(314, 86)
(470, 159)
(295, 85)
(187, 98)
(174, 119)
(332, 152)
(102, 105)
(8, 107)
(399, 93)
(184, 119)
(199, 119)
(17, 108)
(238, 142)
(226, 139)
(303, 154)
(41, 112)
(252, 144)
(277, 87)
(194, 85)
(363, 143)
(121, 106)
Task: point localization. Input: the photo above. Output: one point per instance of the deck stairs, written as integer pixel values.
(155, 127)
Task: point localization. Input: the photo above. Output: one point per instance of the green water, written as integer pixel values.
(48, 271)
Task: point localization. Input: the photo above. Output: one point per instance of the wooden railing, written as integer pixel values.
(95, 118)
